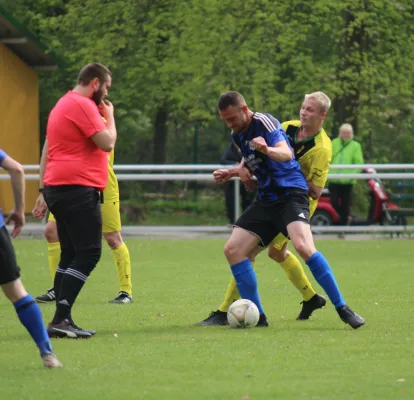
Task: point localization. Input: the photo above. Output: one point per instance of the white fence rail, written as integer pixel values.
(212, 167)
(190, 174)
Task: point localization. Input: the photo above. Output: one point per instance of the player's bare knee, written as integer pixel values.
(232, 252)
(14, 291)
(50, 233)
(303, 248)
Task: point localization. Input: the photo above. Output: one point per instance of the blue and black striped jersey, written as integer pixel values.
(274, 178)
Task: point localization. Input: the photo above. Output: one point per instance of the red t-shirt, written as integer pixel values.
(73, 158)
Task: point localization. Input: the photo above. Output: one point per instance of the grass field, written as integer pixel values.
(150, 350)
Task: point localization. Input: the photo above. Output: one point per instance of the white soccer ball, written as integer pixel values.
(243, 314)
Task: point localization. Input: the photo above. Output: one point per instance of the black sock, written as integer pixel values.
(58, 281)
(72, 283)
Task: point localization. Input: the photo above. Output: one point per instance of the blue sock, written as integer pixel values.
(246, 281)
(31, 317)
(324, 276)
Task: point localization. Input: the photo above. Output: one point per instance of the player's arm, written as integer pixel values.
(16, 173)
(315, 191)
(106, 139)
(279, 152)
(240, 170)
(235, 170)
(222, 175)
(42, 166)
(40, 208)
(318, 173)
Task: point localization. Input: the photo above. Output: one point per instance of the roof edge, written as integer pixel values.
(60, 63)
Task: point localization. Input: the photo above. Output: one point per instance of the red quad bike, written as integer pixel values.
(381, 210)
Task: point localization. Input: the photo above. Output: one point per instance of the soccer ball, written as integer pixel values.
(243, 314)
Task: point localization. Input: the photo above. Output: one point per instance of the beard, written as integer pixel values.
(98, 96)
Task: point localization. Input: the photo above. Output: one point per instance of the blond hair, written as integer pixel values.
(322, 99)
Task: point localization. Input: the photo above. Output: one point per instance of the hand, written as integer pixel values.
(107, 109)
(19, 220)
(244, 173)
(260, 144)
(221, 175)
(40, 208)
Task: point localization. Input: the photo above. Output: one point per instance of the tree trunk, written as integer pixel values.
(160, 136)
(346, 106)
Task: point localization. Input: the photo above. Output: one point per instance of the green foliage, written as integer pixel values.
(179, 56)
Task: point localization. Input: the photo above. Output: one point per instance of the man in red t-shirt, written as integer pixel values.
(73, 173)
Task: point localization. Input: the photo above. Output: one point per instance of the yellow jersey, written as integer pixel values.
(111, 192)
(313, 154)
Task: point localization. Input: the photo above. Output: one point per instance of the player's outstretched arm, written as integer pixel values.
(16, 173)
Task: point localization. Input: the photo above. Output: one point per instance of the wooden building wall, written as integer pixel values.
(19, 121)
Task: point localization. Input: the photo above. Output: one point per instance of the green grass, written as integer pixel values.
(156, 218)
(158, 354)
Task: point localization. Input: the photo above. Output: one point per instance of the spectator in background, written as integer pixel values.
(345, 150)
(232, 156)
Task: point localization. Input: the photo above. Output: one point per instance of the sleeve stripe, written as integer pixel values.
(266, 121)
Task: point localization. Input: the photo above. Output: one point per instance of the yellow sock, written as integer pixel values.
(53, 257)
(123, 268)
(232, 294)
(296, 274)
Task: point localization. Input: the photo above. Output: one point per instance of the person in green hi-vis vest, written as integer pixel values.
(345, 150)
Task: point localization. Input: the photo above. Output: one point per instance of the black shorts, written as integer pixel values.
(9, 271)
(268, 220)
(78, 216)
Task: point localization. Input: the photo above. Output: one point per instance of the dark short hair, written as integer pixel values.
(92, 71)
(230, 99)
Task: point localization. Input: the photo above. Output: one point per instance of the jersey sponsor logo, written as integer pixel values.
(317, 172)
(252, 162)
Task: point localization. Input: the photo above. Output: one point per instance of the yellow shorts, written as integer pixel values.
(279, 241)
(111, 217)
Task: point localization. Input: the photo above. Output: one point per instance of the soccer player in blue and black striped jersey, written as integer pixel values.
(282, 205)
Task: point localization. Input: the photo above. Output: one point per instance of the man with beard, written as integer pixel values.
(111, 227)
(73, 175)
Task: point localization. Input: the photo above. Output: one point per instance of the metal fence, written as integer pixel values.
(187, 172)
